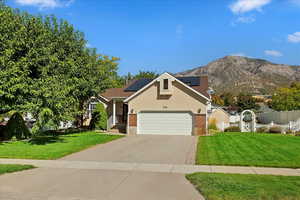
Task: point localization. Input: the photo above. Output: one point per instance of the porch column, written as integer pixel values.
(90, 111)
(114, 112)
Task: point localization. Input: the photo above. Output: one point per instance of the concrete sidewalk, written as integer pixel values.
(149, 167)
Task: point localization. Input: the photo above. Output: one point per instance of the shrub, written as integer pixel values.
(44, 122)
(232, 129)
(212, 131)
(212, 124)
(263, 129)
(99, 118)
(275, 129)
(16, 127)
(297, 134)
(2, 128)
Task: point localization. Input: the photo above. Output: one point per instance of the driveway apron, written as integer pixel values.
(157, 149)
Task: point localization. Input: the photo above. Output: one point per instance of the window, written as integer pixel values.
(166, 84)
(91, 109)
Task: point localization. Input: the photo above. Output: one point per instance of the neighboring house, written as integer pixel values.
(221, 118)
(166, 105)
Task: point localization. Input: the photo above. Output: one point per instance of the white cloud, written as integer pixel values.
(273, 53)
(42, 4)
(294, 38)
(243, 6)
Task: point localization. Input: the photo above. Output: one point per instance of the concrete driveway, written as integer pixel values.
(142, 149)
(82, 184)
(65, 183)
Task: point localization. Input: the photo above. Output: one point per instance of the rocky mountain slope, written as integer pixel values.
(241, 74)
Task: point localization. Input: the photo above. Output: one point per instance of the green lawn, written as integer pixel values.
(13, 168)
(246, 187)
(249, 149)
(53, 147)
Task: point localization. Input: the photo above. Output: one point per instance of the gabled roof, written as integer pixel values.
(196, 83)
(192, 81)
(176, 79)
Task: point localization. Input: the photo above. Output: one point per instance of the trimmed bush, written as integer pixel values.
(232, 129)
(99, 118)
(16, 127)
(212, 124)
(275, 129)
(263, 129)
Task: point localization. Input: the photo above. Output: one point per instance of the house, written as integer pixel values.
(166, 105)
(219, 116)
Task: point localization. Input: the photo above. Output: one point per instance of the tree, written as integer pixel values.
(146, 74)
(142, 74)
(286, 99)
(246, 102)
(99, 118)
(44, 63)
(217, 100)
(229, 99)
(13, 72)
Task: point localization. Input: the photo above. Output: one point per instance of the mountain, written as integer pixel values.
(241, 74)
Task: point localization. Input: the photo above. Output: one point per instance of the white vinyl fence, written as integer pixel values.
(293, 126)
(283, 117)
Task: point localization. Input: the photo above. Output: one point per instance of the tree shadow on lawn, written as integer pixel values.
(43, 140)
(39, 140)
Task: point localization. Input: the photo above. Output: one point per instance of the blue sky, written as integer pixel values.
(176, 35)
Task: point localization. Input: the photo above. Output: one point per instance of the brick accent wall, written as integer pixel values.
(199, 124)
(132, 120)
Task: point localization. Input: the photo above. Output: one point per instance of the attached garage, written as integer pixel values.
(165, 123)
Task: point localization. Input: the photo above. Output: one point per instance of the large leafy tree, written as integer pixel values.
(286, 99)
(246, 102)
(44, 64)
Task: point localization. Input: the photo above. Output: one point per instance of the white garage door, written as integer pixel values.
(165, 123)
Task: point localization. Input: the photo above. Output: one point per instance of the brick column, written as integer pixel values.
(199, 124)
(132, 124)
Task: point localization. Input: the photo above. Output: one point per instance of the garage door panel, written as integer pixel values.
(165, 123)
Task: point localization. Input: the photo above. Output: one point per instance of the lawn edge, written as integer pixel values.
(26, 168)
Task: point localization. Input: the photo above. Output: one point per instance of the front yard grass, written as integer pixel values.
(13, 168)
(246, 187)
(249, 149)
(51, 147)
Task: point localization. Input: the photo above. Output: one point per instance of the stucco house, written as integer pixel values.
(220, 117)
(166, 105)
